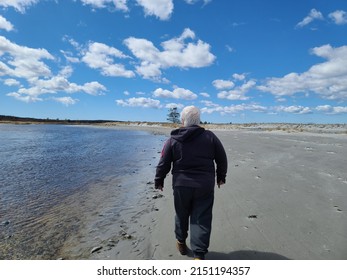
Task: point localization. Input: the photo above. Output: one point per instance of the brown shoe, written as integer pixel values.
(182, 248)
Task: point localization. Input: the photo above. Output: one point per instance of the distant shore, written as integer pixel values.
(20, 120)
(143, 125)
(261, 127)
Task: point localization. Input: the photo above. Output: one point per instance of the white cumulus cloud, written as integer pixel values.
(327, 79)
(5, 24)
(67, 100)
(204, 94)
(177, 93)
(328, 109)
(239, 92)
(339, 109)
(100, 4)
(191, 2)
(313, 15)
(233, 109)
(11, 82)
(102, 57)
(174, 105)
(293, 109)
(159, 8)
(176, 53)
(239, 77)
(121, 5)
(139, 102)
(223, 84)
(54, 85)
(23, 62)
(19, 5)
(26, 68)
(339, 17)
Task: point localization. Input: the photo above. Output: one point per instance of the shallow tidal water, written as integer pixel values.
(47, 176)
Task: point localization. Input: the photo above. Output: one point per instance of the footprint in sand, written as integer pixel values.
(337, 208)
(253, 217)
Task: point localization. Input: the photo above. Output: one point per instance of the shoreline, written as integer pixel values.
(266, 128)
(98, 210)
(159, 127)
(120, 222)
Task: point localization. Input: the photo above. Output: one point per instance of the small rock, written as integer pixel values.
(5, 223)
(157, 196)
(127, 236)
(96, 249)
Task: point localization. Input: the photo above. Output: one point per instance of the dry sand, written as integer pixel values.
(285, 198)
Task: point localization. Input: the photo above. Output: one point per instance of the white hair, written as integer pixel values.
(190, 116)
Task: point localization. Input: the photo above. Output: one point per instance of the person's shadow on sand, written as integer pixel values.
(245, 255)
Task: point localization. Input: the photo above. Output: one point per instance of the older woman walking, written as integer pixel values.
(198, 160)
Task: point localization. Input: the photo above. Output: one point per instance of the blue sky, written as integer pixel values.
(238, 60)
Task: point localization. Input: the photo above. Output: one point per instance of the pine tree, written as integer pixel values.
(173, 115)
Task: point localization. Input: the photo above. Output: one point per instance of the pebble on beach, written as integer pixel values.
(5, 223)
(96, 249)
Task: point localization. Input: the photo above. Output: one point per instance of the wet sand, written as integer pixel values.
(285, 198)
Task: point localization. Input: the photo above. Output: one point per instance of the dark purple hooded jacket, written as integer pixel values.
(193, 152)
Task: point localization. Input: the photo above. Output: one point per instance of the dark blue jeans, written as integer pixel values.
(195, 204)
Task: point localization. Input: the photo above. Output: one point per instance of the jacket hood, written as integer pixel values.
(186, 134)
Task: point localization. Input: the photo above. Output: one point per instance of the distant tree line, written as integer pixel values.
(48, 120)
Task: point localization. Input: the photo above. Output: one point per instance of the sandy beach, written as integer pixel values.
(285, 198)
